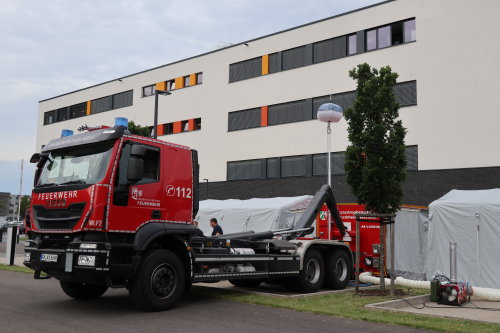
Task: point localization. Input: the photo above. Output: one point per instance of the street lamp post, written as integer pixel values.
(155, 128)
(329, 113)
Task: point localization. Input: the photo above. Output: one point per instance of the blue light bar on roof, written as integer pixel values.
(120, 121)
(66, 132)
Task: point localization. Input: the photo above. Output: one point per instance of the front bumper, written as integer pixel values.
(68, 267)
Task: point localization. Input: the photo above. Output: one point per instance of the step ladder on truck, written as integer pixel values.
(111, 209)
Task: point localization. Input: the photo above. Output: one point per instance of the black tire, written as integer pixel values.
(83, 291)
(246, 283)
(160, 282)
(311, 276)
(338, 269)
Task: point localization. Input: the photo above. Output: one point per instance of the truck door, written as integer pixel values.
(137, 202)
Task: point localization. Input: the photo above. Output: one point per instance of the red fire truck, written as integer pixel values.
(111, 209)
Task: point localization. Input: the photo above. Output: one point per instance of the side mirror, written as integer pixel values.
(135, 171)
(138, 150)
(35, 158)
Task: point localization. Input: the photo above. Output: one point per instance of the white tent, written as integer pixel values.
(472, 220)
(253, 214)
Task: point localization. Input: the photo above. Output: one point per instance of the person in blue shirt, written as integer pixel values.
(217, 229)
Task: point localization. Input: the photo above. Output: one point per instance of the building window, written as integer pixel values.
(168, 128)
(352, 46)
(148, 90)
(384, 37)
(293, 166)
(323, 51)
(244, 119)
(410, 31)
(197, 124)
(411, 153)
(289, 112)
(102, 104)
(123, 99)
(406, 93)
(240, 170)
(199, 78)
(78, 110)
(170, 85)
(49, 117)
(371, 40)
(62, 114)
(245, 69)
(320, 165)
(273, 167)
(187, 81)
(293, 58)
(397, 33)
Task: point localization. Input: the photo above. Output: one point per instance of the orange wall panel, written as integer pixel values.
(192, 79)
(265, 64)
(177, 127)
(179, 82)
(89, 107)
(161, 86)
(191, 124)
(161, 129)
(264, 116)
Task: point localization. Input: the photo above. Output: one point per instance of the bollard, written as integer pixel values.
(11, 245)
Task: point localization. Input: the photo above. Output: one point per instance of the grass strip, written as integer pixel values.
(347, 305)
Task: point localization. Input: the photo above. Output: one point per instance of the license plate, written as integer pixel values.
(49, 257)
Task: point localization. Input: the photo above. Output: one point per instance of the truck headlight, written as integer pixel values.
(27, 256)
(84, 260)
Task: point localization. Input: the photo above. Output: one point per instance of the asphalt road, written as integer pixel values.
(27, 305)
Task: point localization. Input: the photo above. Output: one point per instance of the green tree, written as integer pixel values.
(139, 130)
(375, 159)
(25, 203)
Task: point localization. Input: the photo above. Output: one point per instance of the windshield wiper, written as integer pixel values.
(47, 185)
(79, 181)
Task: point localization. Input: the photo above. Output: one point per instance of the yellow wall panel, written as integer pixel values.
(161, 86)
(179, 82)
(89, 105)
(265, 64)
(192, 79)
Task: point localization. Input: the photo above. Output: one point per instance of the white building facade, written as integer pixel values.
(249, 109)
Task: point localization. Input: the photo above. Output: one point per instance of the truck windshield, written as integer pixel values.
(79, 165)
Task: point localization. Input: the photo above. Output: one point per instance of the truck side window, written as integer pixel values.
(151, 166)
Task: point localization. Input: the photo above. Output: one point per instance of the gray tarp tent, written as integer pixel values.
(252, 214)
(411, 243)
(472, 220)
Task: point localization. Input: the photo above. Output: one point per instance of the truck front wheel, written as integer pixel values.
(160, 281)
(82, 291)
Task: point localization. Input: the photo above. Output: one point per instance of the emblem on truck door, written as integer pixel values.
(136, 193)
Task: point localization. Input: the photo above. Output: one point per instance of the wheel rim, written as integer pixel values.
(313, 270)
(341, 269)
(163, 281)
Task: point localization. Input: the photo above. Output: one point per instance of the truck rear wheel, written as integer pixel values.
(311, 276)
(246, 283)
(83, 291)
(338, 269)
(160, 282)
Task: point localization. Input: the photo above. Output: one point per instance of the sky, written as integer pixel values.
(51, 47)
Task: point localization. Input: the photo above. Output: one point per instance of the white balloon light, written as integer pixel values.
(330, 113)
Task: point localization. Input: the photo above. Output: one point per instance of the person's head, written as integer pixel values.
(213, 222)
(195, 223)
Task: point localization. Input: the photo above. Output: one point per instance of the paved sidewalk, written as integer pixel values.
(477, 310)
